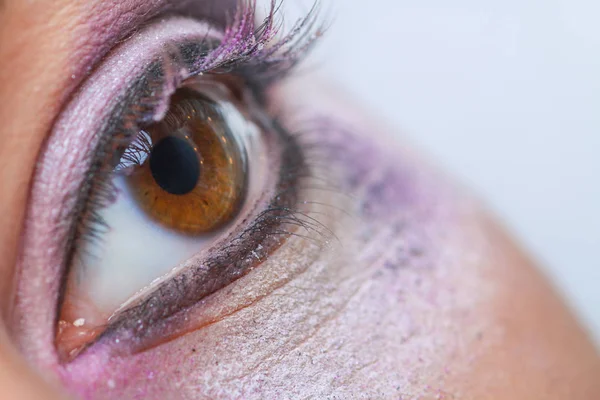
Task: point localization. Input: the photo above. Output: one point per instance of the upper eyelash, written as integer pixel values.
(255, 52)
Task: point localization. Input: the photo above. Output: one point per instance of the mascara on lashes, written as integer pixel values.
(138, 105)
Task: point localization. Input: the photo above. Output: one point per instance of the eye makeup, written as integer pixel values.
(139, 232)
(104, 117)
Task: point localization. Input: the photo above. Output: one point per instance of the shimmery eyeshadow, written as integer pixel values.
(243, 37)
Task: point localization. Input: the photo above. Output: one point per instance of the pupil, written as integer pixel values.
(174, 165)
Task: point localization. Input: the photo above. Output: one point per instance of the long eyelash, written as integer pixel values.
(255, 51)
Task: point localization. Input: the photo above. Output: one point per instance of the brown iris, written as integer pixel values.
(188, 172)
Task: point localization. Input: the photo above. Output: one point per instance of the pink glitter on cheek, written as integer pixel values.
(383, 302)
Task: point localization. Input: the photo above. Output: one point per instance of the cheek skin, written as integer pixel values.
(532, 346)
(421, 295)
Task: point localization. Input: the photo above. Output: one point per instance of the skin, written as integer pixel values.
(422, 296)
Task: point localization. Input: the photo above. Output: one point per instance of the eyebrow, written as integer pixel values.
(140, 10)
(120, 17)
(109, 22)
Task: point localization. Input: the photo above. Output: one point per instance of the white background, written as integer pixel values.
(506, 95)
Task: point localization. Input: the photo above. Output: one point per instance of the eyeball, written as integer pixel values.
(174, 189)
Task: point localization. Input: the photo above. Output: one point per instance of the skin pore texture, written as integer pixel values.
(420, 295)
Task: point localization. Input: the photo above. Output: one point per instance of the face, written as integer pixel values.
(186, 218)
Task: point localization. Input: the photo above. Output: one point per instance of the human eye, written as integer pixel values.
(185, 216)
(170, 178)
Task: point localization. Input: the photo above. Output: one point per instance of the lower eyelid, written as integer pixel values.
(92, 369)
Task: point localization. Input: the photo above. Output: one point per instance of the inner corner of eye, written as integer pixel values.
(181, 182)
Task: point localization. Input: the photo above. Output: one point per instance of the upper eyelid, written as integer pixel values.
(109, 25)
(241, 49)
